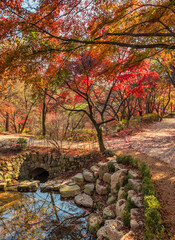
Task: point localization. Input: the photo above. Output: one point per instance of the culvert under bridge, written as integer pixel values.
(38, 165)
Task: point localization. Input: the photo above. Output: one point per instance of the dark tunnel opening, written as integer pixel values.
(40, 174)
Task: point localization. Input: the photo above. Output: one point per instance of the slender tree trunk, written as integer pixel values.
(100, 139)
(7, 122)
(44, 115)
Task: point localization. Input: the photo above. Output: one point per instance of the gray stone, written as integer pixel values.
(120, 207)
(89, 188)
(134, 213)
(135, 184)
(137, 201)
(94, 221)
(69, 191)
(103, 169)
(109, 212)
(111, 199)
(135, 225)
(112, 159)
(131, 193)
(101, 233)
(113, 230)
(102, 188)
(88, 176)
(117, 178)
(120, 193)
(107, 177)
(84, 200)
(132, 174)
(78, 178)
(27, 186)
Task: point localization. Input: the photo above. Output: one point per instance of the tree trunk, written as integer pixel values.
(7, 122)
(44, 115)
(100, 139)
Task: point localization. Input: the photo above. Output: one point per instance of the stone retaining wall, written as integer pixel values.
(22, 166)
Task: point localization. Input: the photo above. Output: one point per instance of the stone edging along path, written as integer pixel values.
(113, 193)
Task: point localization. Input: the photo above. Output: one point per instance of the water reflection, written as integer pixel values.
(42, 216)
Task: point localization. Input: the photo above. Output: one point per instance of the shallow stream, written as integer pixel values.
(26, 216)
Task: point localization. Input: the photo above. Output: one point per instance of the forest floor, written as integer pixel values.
(154, 145)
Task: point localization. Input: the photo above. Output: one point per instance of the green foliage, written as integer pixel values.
(126, 160)
(109, 153)
(117, 187)
(120, 126)
(22, 143)
(124, 195)
(154, 228)
(148, 187)
(94, 229)
(126, 217)
(85, 135)
(111, 167)
(150, 117)
(145, 172)
(130, 204)
(125, 180)
(127, 187)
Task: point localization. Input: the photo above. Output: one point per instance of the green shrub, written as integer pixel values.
(126, 217)
(130, 204)
(111, 167)
(117, 187)
(22, 143)
(148, 187)
(145, 172)
(125, 180)
(154, 228)
(127, 187)
(151, 202)
(150, 117)
(124, 195)
(109, 153)
(125, 159)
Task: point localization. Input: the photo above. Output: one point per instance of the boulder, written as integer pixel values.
(135, 225)
(78, 178)
(84, 200)
(102, 170)
(89, 188)
(137, 201)
(27, 186)
(88, 176)
(120, 207)
(109, 212)
(47, 186)
(94, 221)
(69, 191)
(131, 193)
(117, 178)
(132, 174)
(102, 234)
(102, 188)
(107, 177)
(134, 213)
(113, 229)
(111, 199)
(135, 184)
(120, 193)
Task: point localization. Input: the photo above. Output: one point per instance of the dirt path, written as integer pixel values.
(158, 140)
(163, 177)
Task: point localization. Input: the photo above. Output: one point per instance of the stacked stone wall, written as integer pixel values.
(21, 166)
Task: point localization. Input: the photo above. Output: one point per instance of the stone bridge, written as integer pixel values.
(33, 165)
